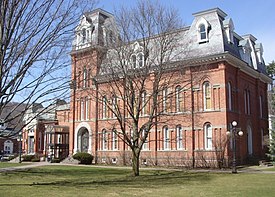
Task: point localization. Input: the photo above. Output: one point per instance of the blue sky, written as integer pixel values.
(254, 17)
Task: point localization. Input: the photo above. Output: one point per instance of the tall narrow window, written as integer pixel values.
(82, 110)
(87, 106)
(178, 99)
(115, 140)
(208, 136)
(261, 106)
(207, 96)
(143, 103)
(247, 102)
(230, 105)
(104, 140)
(84, 77)
(84, 37)
(114, 106)
(164, 99)
(79, 79)
(140, 60)
(179, 138)
(104, 107)
(202, 31)
(134, 61)
(145, 144)
(166, 138)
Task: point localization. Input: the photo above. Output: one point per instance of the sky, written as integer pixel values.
(254, 17)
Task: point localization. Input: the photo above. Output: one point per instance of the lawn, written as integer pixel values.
(8, 164)
(91, 181)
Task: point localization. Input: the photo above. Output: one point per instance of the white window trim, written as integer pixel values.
(208, 137)
(179, 138)
(204, 22)
(166, 138)
(204, 96)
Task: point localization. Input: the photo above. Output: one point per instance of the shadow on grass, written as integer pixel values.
(112, 177)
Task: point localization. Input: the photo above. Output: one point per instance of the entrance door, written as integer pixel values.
(83, 140)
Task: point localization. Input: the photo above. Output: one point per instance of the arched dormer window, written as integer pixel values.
(84, 36)
(203, 28)
(229, 30)
(202, 31)
(207, 95)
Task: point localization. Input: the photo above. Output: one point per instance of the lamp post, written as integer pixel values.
(20, 145)
(233, 134)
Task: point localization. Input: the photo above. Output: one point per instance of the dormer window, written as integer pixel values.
(202, 32)
(140, 60)
(84, 37)
(134, 61)
(203, 28)
(229, 30)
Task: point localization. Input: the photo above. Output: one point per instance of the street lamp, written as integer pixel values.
(20, 145)
(233, 134)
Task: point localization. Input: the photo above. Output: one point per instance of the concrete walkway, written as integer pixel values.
(250, 169)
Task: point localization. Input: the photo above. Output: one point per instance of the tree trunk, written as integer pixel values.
(135, 162)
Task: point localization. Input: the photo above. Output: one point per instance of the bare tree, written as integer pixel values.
(142, 78)
(35, 40)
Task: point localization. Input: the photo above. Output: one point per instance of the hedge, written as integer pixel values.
(84, 158)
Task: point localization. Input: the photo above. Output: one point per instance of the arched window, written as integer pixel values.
(166, 138)
(179, 138)
(208, 136)
(207, 95)
(115, 140)
(202, 30)
(82, 109)
(178, 99)
(104, 140)
(230, 100)
(261, 105)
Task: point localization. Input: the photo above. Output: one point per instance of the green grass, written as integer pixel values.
(7, 164)
(90, 181)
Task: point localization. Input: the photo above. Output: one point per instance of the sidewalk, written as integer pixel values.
(30, 165)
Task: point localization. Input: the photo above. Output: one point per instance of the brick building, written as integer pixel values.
(224, 80)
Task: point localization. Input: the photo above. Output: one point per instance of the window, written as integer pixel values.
(207, 96)
(179, 138)
(164, 101)
(114, 106)
(145, 144)
(82, 110)
(247, 102)
(140, 60)
(134, 61)
(115, 140)
(208, 136)
(202, 31)
(203, 28)
(178, 99)
(166, 138)
(79, 79)
(261, 106)
(87, 108)
(104, 107)
(84, 38)
(230, 105)
(84, 77)
(143, 103)
(104, 140)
